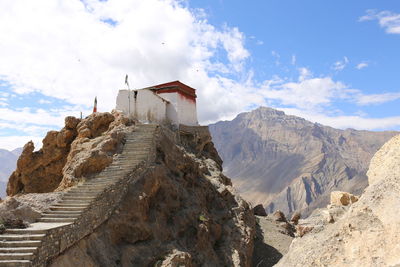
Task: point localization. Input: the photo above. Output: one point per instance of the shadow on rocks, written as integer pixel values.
(264, 255)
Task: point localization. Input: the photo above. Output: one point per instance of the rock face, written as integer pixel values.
(79, 150)
(287, 163)
(367, 232)
(182, 212)
(259, 210)
(342, 198)
(27, 207)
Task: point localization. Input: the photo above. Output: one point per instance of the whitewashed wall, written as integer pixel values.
(187, 111)
(181, 110)
(145, 106)
(172, 111)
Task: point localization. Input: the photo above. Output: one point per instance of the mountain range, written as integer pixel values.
(8, 161)
(288, 163)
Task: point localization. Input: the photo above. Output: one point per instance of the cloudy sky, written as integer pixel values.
(332, 62)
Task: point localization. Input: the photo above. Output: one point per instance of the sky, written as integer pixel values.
(332, 62)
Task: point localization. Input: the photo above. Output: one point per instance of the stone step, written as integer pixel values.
(105, 178)
(90, 187)
(72, 205)
(16, 237)
(59, 220)
(89, 191)
(97, 185)
(68, 208)
(81, 194)
(18, 250)
(80, 202)
(15, 263)
(16, 256)
(88, 198)
(62, 212)
(24, 243)
(137, 155)
(52, 215)
(25, 231)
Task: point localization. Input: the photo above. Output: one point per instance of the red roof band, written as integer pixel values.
(182, 89)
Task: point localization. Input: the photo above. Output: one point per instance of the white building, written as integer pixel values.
(172, 102)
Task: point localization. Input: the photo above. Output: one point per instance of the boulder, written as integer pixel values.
(295, 218)
(259, 210)
(279, 216)
(342, 198)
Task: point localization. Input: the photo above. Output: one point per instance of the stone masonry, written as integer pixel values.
(82, 209)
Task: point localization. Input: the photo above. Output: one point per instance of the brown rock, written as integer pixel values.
(295, 218)
(259, 210)
(342, 198)
(367, 234)
(71, 122)
(302, 230)
(80, 149)
(172, 214)
(176, 259)
(279, 216)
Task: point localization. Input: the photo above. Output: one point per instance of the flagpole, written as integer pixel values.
(129, 96)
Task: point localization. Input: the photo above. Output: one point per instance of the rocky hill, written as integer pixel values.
(157, 197)
(364, 234)
(288, 163)
(8, 161)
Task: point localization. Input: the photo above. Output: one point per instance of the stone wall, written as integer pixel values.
(59, 239)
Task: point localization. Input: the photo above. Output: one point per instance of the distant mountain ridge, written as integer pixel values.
(288, 163)
(8, 163)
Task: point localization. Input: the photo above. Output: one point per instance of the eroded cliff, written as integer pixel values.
(79, 150)
(182, 212)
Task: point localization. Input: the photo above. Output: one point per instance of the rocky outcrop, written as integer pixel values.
(79, 150)
(342, 198)
(181, 212)
(366, 233)
(287, 163)
(27, 207)
(259, 210)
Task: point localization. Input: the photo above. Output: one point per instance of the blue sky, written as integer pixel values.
(332, 62)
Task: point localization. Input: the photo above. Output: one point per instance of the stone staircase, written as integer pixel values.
(20, 247)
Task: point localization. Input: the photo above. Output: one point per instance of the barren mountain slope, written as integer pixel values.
(367, 234)
(288, 163)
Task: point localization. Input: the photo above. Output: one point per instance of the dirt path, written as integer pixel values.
(271, 242)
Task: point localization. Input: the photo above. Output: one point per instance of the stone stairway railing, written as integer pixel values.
(82, 209)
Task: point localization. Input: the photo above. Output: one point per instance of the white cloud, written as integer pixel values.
(44, 101)
(13, 142)
(308, 93)
(341, 64)
(374, 99)
(304, 74)
(64, 50)
(294, 59)
(388, 20)
(343, 122)
(362, 65)
(277, 57)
